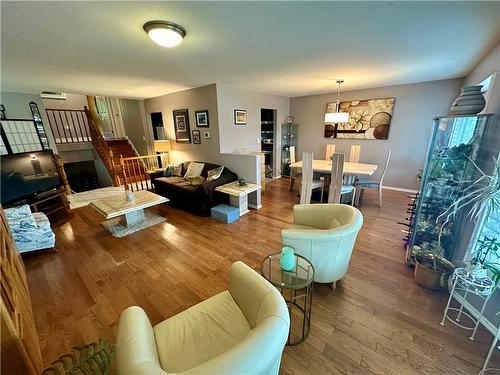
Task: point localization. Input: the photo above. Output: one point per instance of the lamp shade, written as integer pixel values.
(162, 146)
(336, 117)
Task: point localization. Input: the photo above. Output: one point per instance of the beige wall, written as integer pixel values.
(414, 108)
(235, 138)
(73, 101)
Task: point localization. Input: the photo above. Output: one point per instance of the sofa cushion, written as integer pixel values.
(195, 180)
(194, 169)
(178, 181)
(215, 173)
(200, 333)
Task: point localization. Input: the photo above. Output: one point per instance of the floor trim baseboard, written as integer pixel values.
(400, 189)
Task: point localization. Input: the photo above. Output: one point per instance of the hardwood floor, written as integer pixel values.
(377, 321)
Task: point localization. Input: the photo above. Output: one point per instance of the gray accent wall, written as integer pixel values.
(414, 108)
(133, 123)
(197, 99)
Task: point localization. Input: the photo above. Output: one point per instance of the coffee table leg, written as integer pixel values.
(132, 218)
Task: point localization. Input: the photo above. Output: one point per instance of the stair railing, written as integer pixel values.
(102, 149)
(137, 170)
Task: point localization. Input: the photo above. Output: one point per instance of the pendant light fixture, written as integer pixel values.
(164, 33)
(337, 116)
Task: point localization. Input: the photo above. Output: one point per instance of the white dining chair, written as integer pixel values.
(355, 154)
(293, 174)
(337, 188)
(329, 151)
(374, 185)
(307, 183)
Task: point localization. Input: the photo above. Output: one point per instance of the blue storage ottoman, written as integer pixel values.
(226, 214)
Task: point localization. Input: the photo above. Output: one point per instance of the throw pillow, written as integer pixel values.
(194, 169)
(215, 173)
(172, 170)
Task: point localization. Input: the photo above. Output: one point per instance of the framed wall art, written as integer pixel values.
(196, 137)
(181, 126)
(240, 117)
(368, 119)
(202, 119)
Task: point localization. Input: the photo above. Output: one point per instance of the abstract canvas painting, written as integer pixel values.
(368, 119)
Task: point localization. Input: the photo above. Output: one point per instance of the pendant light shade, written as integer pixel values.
(337, 116)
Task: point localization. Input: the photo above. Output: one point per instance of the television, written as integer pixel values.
(27, 174)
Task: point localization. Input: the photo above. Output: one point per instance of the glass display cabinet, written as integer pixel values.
(289, 137)
(456, 145)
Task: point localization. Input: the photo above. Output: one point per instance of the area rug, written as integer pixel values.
(117, 229)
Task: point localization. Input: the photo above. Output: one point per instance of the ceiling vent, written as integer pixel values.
(53, 95)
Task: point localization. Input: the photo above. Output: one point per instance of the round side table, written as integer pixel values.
(296, 287)
(464, 281)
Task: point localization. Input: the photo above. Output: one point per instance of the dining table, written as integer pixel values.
(351, 170)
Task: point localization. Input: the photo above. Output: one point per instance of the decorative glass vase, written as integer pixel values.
(130, 195)
(287, 259)
(469, 102)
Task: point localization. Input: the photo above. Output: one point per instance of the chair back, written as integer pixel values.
(329, 151)
(336, 177)
(355, 154)
(292, 155)
(307, 178)
(385, 167)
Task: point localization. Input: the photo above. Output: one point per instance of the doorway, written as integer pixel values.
(157, 124)
(267, 136)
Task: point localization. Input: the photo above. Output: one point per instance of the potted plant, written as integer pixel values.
(482, 196)
(486, 248)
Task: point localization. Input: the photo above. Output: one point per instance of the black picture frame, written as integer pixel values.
(240, 116)
(181, 126)
(196, 137)
(201, 118)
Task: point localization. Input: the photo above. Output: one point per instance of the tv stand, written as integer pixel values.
(54, 204)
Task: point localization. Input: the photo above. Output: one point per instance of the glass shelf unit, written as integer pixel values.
(457, 143)
(289, 137)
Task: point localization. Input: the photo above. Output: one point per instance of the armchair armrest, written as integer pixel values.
(135, 344)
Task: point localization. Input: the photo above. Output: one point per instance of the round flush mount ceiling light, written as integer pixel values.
(164, 33)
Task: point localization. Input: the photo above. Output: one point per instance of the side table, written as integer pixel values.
(464, 281)
(296, 287)
(238, 195)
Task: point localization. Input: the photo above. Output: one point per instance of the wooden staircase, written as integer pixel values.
(110, 151)
(121, 147)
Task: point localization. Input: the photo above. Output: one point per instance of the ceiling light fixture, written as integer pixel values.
(337, 116)
(164, 33)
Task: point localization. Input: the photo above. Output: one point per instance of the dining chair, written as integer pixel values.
(329, 151)
(355, 154)
(337, 188)
(293, 174)
(374, 185)
(307, 183)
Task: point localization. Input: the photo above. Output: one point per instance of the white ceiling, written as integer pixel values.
(284, 48)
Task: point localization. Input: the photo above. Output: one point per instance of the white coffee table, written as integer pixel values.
(238, 195)
(124, 217)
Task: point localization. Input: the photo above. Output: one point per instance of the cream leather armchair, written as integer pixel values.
(325, 235)
(239, 331)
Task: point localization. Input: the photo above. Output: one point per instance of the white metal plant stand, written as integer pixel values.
(494, 345)
(464, 281)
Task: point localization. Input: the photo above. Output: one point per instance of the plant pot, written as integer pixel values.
(429, 278)
(469, 102)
